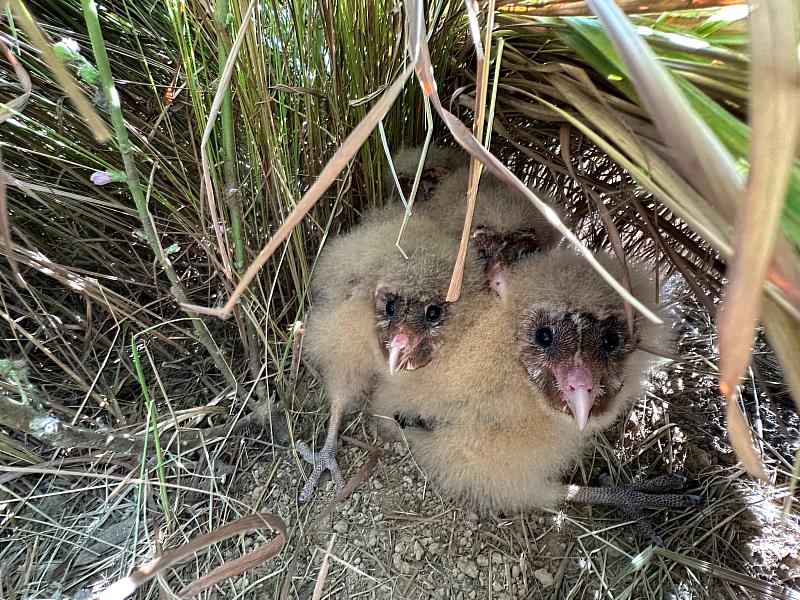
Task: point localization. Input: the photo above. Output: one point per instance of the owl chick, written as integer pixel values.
(360, 277)
(498, 208)
(515, 397)
(377, 311)
(505, 225)
(440, 163)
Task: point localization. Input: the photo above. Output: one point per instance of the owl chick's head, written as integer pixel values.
(440, 163)
(412, 314)
(574, 337)
(499, 250)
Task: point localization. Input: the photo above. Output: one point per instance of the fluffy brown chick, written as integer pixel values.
(359, 271)
(443, 186)
(505, 224)
(440, 163)
(511, 402)
(376, 311)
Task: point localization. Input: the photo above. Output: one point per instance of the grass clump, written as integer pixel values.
(150, 151)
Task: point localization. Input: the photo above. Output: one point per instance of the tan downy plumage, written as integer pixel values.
(341, 335)
(351, 335)
(442, 196)
(489, 422)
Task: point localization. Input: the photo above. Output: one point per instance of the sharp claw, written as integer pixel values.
(310, 486)
(648, 533)
(336, 477)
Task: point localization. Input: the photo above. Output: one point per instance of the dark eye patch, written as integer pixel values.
(415, 422)
(544, 337)
(609, 341)
(539, 331)
(610, 335)
(433, 313)
(386, 305)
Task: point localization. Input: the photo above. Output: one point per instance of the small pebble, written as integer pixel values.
(418, 552)
(544, 577)
(470, 569)
(372, 538)
(341, 526)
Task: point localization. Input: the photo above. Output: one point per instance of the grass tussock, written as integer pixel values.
(136, 185)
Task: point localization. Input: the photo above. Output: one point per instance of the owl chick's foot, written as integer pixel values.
(630, 500)
(324, 460)
(662, 483)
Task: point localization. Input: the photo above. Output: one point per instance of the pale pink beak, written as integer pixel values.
(399, 343)
(498, 281)
(579, 392)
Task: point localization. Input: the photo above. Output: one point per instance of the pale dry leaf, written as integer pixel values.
(742, 440)
(775, 122)
(323, 570)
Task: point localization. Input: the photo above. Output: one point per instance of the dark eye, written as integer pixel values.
(433, 313)
(389, 308)
(609, 341)
(483, 254)
(544, 337)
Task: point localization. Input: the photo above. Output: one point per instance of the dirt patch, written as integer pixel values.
(397, 537)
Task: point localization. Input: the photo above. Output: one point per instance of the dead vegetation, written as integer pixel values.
(146, 426)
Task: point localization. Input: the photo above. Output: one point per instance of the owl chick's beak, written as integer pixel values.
(498, 280)
(577, 385)
(399, 350)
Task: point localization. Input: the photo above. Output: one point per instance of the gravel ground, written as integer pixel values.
(396, 537)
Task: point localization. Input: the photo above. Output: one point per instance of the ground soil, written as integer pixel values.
(397, 537)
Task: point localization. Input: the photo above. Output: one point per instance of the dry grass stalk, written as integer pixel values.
(566, 119)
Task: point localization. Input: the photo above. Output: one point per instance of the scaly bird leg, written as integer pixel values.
(325, 459)
(631, 500)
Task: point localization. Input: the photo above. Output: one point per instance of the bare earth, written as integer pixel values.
(396, 537)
